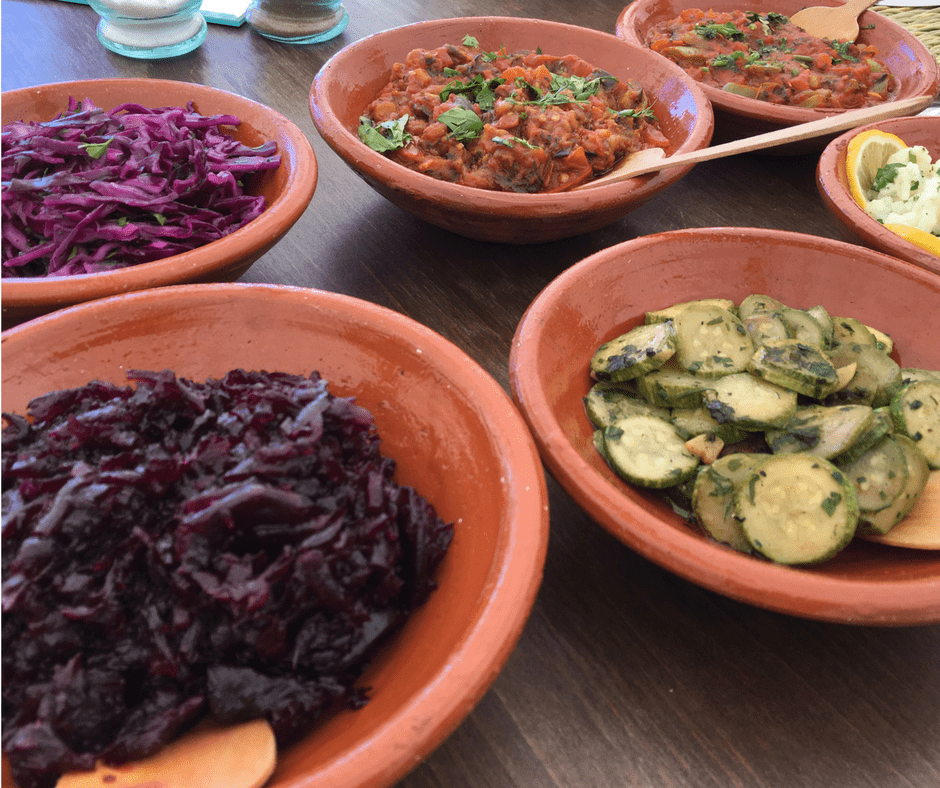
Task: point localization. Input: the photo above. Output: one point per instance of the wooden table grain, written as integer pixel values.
(625, 674)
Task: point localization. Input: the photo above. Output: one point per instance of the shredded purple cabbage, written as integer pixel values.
(174, 549)
(94, 191)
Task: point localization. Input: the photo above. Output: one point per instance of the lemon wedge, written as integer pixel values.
(865, 155)
(921, 238)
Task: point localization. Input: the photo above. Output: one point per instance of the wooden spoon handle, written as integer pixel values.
(803, 131)
(855, 7)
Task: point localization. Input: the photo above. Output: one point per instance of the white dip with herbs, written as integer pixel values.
(907, 191)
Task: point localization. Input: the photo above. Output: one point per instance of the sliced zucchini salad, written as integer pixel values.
(782, 432)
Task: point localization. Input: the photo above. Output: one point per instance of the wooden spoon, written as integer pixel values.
(921, 528)
(652, 159)
(836, 24)
(210, 756)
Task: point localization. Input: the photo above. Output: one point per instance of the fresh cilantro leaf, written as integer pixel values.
(726, 30)
(842, 49)
(464, 124)
(642, 112)
(479, 90)
(386, 136)
(96, 149)
(511, 142)
(886, 175)
(730, 60)
(470, 41)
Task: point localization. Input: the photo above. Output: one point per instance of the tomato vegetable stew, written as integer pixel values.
(520, 122)
(769, 58)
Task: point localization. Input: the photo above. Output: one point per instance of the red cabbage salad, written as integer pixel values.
(95, 190)
(235, 548)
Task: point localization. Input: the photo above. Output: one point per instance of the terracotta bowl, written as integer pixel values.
(352, 78)
(609, 292)
(452, 429)
(288, 191)
(738, 116)
(855, 224)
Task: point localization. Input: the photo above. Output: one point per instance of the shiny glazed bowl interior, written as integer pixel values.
(452, 430)
(737, 116)
(351, 79)
(287, 191)
(855, 224)
(609, 292)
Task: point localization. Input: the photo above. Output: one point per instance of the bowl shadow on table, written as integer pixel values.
(662, 654)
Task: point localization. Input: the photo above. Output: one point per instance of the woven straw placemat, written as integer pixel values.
(922, 22)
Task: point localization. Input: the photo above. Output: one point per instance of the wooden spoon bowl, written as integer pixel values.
(836, 24)
(210, 756)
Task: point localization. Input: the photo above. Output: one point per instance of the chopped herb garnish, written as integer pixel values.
(464, 124)
(478, 90)
(886, 175)
(386, 136)
(726, 30)
(831, 503)
(510, 142)
(642, 112)
(96, 149)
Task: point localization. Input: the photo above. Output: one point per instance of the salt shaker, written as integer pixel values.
(150, 29)
(298, 21)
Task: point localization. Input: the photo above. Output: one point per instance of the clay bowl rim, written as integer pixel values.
(832, 183)
(426, 717)
(373, 166)
(648, 526)
(927, 73)
(251, 239)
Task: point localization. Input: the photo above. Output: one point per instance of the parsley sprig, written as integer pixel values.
(386, 136)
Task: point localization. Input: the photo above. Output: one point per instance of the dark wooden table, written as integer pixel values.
(625, 674)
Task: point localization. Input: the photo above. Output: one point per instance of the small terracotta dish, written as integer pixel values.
(287, 190)
(352, 78)
(609, 292)
(452, 430)
(854, 223)
(738, 116)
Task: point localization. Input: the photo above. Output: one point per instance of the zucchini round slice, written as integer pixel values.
(670, 312)
(607, 402)
(797, 509)
(794, 365)
(672, 387)
(711, 341)
(916, 412)
(879, 475)
(749, 402)
(822, 431)
(714, 494)
(635, 353)
(649, 452)
(918, 472)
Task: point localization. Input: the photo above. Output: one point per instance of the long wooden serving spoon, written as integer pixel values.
(210, 756)
(837, 24)
(653, 159)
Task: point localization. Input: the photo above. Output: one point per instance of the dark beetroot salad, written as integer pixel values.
(767, 57)
(518, 122)
(175, 549)
(94, 190)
